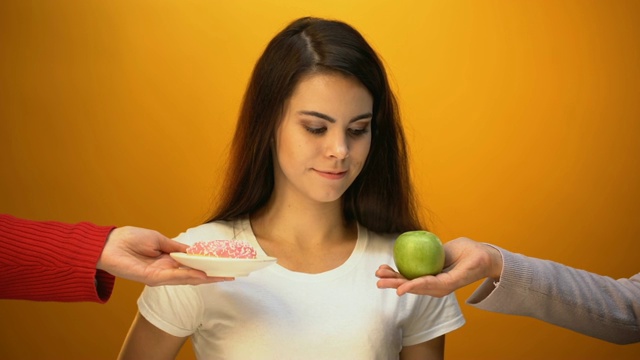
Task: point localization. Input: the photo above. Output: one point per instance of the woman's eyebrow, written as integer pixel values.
(332, 120)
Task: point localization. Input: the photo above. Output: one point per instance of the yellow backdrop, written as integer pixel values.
(523, 120)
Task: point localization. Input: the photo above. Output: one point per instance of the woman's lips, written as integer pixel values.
(333, 175)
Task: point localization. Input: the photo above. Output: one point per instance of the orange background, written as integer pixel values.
(523, 119)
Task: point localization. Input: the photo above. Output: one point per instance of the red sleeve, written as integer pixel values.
(52, 261)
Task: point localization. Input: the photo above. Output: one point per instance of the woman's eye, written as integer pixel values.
(359, 131)
(315, 130)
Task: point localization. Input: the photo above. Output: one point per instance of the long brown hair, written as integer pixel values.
(381, 198)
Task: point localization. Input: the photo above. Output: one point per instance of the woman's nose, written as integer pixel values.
(338, 147)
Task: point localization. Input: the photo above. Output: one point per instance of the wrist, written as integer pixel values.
(102, 259)
(495, 263)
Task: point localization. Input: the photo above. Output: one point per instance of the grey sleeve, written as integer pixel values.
(590, 304)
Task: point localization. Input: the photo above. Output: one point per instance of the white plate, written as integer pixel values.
(223, 267)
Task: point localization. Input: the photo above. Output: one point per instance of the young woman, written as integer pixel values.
(318, 179)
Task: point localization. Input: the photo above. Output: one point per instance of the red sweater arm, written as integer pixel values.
(52, 261)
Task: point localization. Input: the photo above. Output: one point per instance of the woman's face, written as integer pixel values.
(324, 137)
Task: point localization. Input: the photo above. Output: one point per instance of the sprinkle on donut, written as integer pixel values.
(234, 249)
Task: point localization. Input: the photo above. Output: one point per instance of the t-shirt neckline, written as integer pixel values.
(344, 268)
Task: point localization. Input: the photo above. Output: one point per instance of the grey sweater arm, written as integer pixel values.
(590, 304)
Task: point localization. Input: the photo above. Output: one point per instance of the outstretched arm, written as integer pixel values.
(52, 261)
(587, 303)
(55, 261)
(590, 304)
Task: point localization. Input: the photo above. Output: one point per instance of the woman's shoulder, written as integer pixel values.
(377, 235)
(376, 239)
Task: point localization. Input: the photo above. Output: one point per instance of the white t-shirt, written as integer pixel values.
(275, 313)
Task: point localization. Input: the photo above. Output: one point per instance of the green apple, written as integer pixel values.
(418, 253)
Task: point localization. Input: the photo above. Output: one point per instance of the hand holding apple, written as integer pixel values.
(466, 261)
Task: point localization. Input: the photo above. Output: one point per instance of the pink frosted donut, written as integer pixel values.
(235, 249)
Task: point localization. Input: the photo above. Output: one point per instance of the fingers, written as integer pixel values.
(437, 286)
(385, 271)
(426, 285)
(167, 245)
(184, 276)
(164, 270)
(390, 283)
(389, 278)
